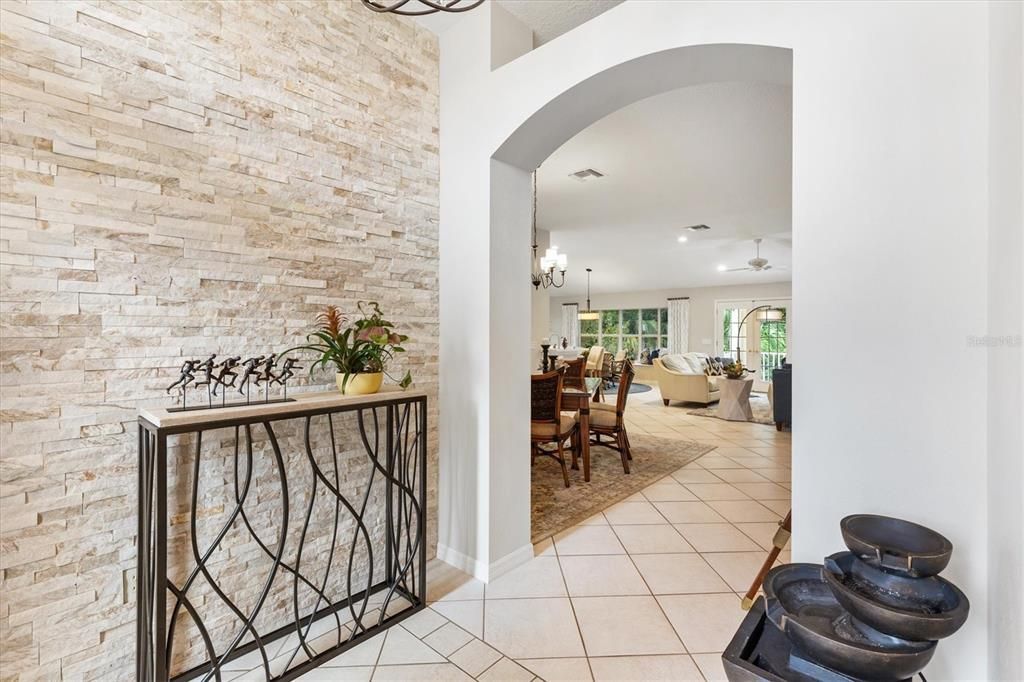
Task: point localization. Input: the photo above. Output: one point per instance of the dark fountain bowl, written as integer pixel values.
(800, 603)
(896, 544)
(909, 608)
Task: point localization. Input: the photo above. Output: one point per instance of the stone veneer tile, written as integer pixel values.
(180, 179)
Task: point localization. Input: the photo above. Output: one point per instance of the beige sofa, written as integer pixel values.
(687, 386)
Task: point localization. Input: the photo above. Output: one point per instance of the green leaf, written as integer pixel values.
(406, 380)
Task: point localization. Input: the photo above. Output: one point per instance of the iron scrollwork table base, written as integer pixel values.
(395, 466)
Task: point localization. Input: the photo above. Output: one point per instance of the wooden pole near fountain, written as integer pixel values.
(778, 544)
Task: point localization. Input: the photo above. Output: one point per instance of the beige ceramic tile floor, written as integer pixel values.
(649, 589)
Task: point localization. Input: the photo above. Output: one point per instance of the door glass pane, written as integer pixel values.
(733, 334)
(726, 330)
(773, 343)
(588, 327)
(664, 342)
(649, 342)
(632, 347)
(664, 320)
(649, 321)
(610, 343)
(609, 321)
(587, 341)
(630, 321)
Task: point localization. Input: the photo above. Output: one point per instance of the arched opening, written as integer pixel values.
(511, 165)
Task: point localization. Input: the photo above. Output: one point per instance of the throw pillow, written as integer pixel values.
(676, 363)
(695, 361)
(714, 368)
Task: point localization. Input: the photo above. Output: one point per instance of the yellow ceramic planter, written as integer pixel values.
(359, 384)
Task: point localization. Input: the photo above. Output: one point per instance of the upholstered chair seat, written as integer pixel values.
(602, 414)
(548, 430)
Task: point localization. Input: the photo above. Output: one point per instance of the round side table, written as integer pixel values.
(734, 399)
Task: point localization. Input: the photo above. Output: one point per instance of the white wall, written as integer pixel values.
(890, 196)
(702, 305)
(1005, 308)
(464, 393)
(510, 38)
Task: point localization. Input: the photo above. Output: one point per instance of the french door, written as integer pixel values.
(755, 332)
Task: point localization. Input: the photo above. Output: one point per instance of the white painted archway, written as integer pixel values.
(890, 175)
(525, 149)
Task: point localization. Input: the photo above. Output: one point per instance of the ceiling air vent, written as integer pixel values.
(585, 174)
(698, 228)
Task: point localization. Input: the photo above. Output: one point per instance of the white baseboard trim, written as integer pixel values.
(479, 569)
(511, 560)
(466, 564)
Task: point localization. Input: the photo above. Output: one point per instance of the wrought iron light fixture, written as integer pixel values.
(588, 314)
(542, 272)
(421, 7)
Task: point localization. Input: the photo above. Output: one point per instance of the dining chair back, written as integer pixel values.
(626, 376)
(547, 423)
(594, 360)
(609, 420)
(575, 372)
(546, 396)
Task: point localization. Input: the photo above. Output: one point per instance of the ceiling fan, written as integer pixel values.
(755, 264)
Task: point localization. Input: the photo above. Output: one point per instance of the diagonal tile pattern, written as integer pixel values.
(648, 589)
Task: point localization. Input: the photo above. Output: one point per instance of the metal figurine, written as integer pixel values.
(206, 367)
(249, 370)
(263, 371)
(188, 370)
(267, 368)
(286, 373)
(226, 374)
(266, 374)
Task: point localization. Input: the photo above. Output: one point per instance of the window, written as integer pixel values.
(631, 330)
(588, 333)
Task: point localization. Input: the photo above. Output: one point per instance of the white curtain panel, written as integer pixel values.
(571, 324)
(678, 325)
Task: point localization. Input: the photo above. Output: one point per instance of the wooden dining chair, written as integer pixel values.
(594, 360)
(576, 372)
(617, 364)
(607, 419)
(547, 423)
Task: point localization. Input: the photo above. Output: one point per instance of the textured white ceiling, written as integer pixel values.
(719, 154)
(551, 18)
(547, 18)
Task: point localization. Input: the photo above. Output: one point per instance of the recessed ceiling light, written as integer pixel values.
(681, 239)
(721, 268)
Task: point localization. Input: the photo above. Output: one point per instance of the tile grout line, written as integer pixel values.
(686, 649)
(572, 606)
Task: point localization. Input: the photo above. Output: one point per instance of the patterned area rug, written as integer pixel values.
(758, 405)
(634, 388)
(555, 507)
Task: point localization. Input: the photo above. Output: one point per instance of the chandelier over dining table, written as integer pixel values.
(542, 272)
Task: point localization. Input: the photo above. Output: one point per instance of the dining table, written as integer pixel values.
(576, 398)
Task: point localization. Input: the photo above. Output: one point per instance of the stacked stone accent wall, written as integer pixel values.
(180, 178)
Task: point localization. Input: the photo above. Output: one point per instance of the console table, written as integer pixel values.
(302, 520)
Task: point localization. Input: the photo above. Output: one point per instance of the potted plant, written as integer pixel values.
(358, 352)
(736, 370)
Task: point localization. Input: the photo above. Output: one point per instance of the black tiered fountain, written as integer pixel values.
(873, 613)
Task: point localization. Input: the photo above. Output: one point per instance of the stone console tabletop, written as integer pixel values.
(163, 418)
